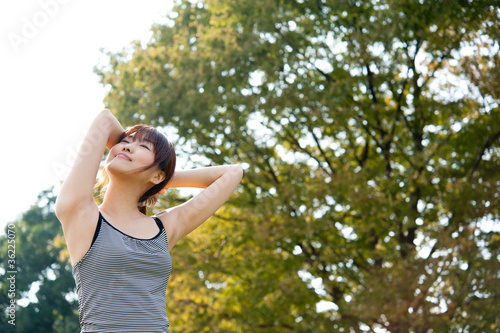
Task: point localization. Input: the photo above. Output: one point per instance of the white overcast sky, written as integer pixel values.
(48, 91)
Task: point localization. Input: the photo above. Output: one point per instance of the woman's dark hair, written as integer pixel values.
(164, 159)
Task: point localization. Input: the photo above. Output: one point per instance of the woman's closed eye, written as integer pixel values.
(141, 145)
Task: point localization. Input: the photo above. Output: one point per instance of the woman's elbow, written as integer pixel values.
(237, 171)
(60, 207)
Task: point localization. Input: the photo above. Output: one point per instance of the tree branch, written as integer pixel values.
(370, 84)
(323, 153)
(327, 76)
(295, 142)
(486, 146)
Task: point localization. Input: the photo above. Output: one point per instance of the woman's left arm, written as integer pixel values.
(219, 182)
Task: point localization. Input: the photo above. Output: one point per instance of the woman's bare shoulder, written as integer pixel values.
(168, 219)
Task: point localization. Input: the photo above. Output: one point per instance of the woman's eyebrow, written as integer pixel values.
(143, 139)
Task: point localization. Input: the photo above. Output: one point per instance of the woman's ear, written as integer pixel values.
(158, 177)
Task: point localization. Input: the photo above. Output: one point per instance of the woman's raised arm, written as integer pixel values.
(219, 183)
(76, 192)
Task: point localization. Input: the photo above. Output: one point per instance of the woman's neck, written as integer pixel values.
(120, 200)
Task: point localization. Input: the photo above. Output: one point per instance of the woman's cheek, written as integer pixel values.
(145, 157)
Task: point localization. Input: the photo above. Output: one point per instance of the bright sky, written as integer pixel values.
(48, 91)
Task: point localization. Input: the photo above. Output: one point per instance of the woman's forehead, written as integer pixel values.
(140, 135)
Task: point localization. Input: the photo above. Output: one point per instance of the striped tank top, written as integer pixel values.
(121, 282)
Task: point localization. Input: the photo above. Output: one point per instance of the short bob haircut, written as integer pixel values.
(164, 158)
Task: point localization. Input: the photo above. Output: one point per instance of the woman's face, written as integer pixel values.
(129, 156)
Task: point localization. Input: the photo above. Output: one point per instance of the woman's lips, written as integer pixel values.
(121, 155)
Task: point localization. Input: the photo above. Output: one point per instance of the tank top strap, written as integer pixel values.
(158, 223)
(97, 229)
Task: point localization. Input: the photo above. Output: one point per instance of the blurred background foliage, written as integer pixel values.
(369, 134)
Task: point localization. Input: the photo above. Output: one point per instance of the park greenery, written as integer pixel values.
(42, 262)
(369, 132)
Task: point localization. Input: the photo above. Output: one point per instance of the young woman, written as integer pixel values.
(120, 256)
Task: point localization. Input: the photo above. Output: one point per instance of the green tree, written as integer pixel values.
(369, 132)
(41, 259)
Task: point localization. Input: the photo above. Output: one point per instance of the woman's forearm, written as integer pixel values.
(78, 186)
(115, 129)
(201, 177)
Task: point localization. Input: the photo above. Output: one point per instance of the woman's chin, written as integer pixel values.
(112, 169)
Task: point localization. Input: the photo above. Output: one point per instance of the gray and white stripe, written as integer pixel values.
(121, 282)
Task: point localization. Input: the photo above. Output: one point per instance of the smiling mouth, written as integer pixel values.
(123, 156)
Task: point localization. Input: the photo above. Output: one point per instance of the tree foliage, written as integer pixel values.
(369, 132)
(41, 260)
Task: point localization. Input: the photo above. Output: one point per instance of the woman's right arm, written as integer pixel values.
(76, 193)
